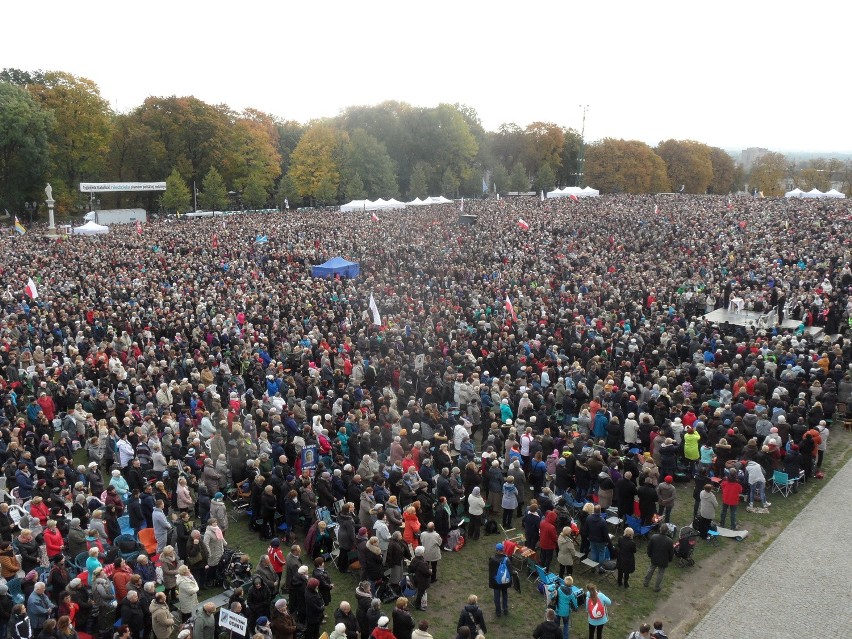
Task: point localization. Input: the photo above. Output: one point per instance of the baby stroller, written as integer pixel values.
(685, 546)
(238, 573)
(228, 557)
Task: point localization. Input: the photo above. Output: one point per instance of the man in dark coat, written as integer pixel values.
(314, 609)
(625, 494)
(501, 590)
(661, 553)
(131, 614)
(422, 572)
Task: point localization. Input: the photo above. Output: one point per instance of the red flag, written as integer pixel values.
(215, 241)
(574, 197)
(139, 227)
(523, 225)
(510, 309)
(374, 217)
(30, 289)
(656, 210)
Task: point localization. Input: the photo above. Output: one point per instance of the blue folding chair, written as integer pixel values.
(545, 577)
(124, 522)
(638, 529)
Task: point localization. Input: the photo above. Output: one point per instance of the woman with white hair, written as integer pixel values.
(120, 484)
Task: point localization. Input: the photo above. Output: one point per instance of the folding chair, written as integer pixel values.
(148, 541)
(124, 522)
(782, 483)
(641, 532)
(544, 576)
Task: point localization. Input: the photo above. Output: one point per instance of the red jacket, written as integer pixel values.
(53, 541)
(547, 532)
(731, 492)
(276, 559)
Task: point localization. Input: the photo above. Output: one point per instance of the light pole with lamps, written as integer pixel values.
(581, 156)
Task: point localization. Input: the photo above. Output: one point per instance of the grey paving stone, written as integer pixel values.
(800, 586)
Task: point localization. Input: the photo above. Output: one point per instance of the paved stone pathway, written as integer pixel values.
(799, 587)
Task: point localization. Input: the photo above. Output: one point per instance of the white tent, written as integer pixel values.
(835, 194)
(367, 205)
(437, 199)
(357, 205)
(416, 202)
(576, 191)
(813, 193)
(794, 193)
(91, 228)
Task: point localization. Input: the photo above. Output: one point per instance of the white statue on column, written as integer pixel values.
(48, 190)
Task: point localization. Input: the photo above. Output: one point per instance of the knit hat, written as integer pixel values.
(383, 622)
(499, 547)
(668, 479)
(218, 496)
(262, 621)
(731, 431)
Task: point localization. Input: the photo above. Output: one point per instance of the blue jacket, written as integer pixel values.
(563, 599)
(25, 485)
(599, 621)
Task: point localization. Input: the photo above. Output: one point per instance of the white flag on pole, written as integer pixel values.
(377, 318)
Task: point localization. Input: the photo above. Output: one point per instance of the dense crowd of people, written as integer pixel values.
(516, 372)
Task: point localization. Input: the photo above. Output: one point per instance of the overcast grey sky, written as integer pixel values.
(731, 74)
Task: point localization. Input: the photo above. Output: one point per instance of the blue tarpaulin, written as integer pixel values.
(337, 266)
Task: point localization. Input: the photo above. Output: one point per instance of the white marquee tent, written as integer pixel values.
(815, 193)
(576, 191)
(91, 228)
(367, 205)
(435, 199)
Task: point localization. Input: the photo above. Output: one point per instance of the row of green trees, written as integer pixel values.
(55, 126)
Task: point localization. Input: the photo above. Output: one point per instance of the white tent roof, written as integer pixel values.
(835, 194)
(439, 199)
(91, 228)
(367, 205)
(574, 190)
(794, 193)
(813, 193)
(416, 202)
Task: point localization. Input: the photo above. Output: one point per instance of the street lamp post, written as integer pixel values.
(581, 156)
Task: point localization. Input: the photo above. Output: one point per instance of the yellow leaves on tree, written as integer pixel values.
(315, 162)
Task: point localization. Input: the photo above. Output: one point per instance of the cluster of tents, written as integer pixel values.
(833, 193)
(384, 205)
(574, 191)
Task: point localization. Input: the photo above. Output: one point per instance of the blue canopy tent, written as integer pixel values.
(337, 266)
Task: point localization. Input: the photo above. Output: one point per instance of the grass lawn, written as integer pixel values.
(687, 592)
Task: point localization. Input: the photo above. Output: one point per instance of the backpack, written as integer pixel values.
(491, 527)
(596, 609)
(503, 575)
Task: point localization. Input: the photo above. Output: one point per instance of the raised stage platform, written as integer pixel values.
(753, 319)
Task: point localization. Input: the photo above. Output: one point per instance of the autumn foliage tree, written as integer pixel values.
(688, 163)
(625, 166)
(315, 163)
(767, 173)
(724, 172)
